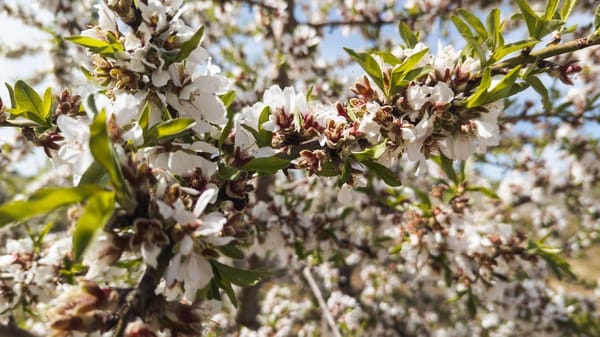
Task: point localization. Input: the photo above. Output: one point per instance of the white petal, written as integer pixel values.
(160, 78)
(208, 196)
(212, 223)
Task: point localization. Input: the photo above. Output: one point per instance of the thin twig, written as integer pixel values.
(317, 292)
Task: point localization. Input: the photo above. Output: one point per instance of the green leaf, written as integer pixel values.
(266, 165)
(446, 164)
(475, 23)
(407, 35)
(11, 93)
(228, 98)
(240, 277)
(97, 212)
(485, 191)
(231, 250)
(372, 153)
(395, 250)
(267, 136)
(345, 174)
(144, 120)
(567, 8)
(47, 105)
(97, 46)
(471, 303)
(93, 174)
(190, 45)
(559, 266)
(462, 27)
(502, 89)
(28, 102)
(167, 129)
(389, 58)
(91, 104)
(494, 28)
(424, 201)
(328, 169)
(597, 19)
(43, 201)
(541, 89)
(531, 18)
(477, 96)
(411, 62)
(511, 48)
(382, 172)
(551, 7)
(417, 73)
(369, 65)
(103, 153)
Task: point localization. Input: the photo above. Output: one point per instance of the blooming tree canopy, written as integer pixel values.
(216, 171)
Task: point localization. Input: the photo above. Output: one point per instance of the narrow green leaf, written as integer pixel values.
(559, 266)
(104, 154)
(91, 104)
(92, 175)
(167, 129)
(345, 174)
(267, 164)
(424, 201)
(328, 170)
(96, 46)
(372, 153)
(551, 7)
(485, 83)
(541, 89)
(47, 105)
(504, 87)
(190, 45)
(411, 62)
(494, 28)
(511, 48)
(228, 98)
(471, 303)
(395, 250)
(407, 35)
(417, 73)
(389, 58)
(485, 191)
(597, 19)
(42, 202)
(462, 27)
(447, 165)
(97, 212)
(567, 8)
(240, 277)
(144, 120)
(11, 93)
(369, 65)
(267, 136)
(475, 22)
(531, 18)
(382, 172)
(232, 251)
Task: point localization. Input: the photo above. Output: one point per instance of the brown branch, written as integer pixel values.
(138, 299)
(336, 23)
(546, 52)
